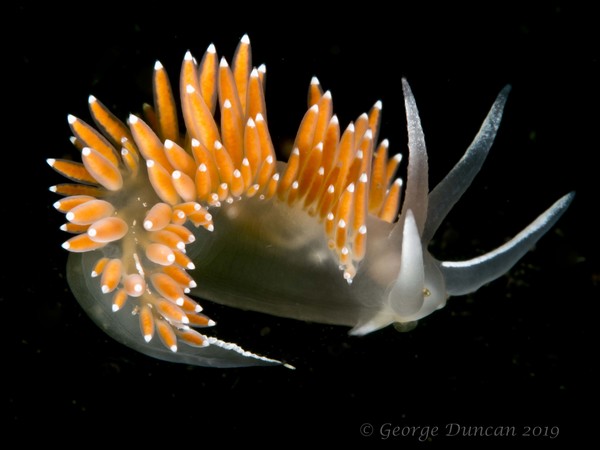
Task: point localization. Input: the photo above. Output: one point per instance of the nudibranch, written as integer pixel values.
(159, 215)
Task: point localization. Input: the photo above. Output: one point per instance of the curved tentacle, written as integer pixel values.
(464, 277)
(417, 186)
(445, 195)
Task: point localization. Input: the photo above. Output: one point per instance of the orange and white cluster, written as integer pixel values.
(297, 244)
(139, 183)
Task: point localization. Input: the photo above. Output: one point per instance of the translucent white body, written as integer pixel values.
(267, 256)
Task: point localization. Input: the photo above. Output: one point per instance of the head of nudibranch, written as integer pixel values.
(160, 213)
(423, 283)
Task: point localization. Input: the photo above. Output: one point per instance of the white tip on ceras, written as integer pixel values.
(314, 81)
(348, 277)
(378, 105)
(223, 63)
(260, 118)
(227, 103)
(251, 123)
(158, 65)
(180, 215)
(245, 39)
(327, 95)
(147, 337)
(254, 73)
(71, 119)
(92, 99)
(211, 49)
(188, 56)
(190, 89)
(51, 162)
(66, 245)
(105, 289)
(132, 119)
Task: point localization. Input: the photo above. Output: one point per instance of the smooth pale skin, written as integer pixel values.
(265, 256)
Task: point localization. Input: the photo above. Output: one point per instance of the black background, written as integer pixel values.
(519, 352)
